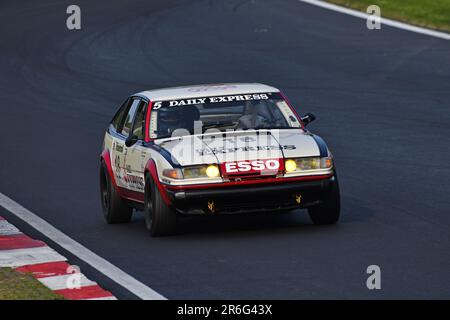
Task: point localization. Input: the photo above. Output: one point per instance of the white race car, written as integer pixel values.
(214, 149)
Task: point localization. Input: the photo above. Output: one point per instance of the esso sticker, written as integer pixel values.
(267, 166)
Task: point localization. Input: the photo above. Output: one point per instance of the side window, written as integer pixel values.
(117, 120)
(139, 125)
(128, 123)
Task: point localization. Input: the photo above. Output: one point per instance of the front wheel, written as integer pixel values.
(115, 210)
(160, 219)
(328, 211)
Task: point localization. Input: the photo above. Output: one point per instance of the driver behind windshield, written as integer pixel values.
(171, 119)
(258, 115)
(237, 115)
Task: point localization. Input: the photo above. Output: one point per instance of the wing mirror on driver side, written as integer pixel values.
(308, 118)
(131, 140)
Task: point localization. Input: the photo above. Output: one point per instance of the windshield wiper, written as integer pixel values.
(272, 127)
(217, 124)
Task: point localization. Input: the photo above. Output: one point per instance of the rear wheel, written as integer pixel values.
(328, 211)
(115, 210)
(160, 219)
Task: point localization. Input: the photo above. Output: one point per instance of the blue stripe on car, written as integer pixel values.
(322, 146)
(163, 152)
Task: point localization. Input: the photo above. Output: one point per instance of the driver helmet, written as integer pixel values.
(170, 117)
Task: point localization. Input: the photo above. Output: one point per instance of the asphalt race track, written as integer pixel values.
(382, 99)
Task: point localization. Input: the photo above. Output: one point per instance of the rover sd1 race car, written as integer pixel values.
(214, 149)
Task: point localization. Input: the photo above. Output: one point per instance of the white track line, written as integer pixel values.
(108, 269)
(388, 22)
(103, 298)
(21, 257)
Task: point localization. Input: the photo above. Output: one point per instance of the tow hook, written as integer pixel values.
(211, 206)
(298, 198)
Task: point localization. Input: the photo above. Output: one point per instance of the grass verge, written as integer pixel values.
(21, 286)
(434, 14)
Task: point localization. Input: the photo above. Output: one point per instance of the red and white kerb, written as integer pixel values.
(28, 255)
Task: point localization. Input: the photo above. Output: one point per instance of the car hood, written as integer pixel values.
(241, 145)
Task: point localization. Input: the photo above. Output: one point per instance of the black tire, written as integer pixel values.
(329, 210)
(115, 209)
(160, 219)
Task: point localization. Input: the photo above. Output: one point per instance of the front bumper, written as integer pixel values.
(251, 198)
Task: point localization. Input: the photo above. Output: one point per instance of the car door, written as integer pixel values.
(136, 153)
(118, 142)
(119, 149)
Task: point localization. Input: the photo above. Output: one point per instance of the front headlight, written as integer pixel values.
(326, 163)
(310, 163)
(212, 171)
(205, 171)
(290, 165)
(173, 173)
(194, 172)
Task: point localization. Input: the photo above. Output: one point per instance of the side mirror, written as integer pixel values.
(308, 118)
(131, 140)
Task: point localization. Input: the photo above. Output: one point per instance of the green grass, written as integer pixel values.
(433, 14)
(21, 286)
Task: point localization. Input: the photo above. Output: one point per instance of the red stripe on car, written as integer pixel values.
(147, 122)
(292, 108)
(151, 168)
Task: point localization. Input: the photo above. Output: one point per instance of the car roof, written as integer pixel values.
(206, 90)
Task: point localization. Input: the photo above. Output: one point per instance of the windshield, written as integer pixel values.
(224, 113)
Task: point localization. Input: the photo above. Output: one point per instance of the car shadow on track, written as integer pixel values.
(353, 211)
(237, 223)
(245, 222)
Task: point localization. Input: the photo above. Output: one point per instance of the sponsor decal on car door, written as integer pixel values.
(119, 149)
(135, 165)
(118, 152)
